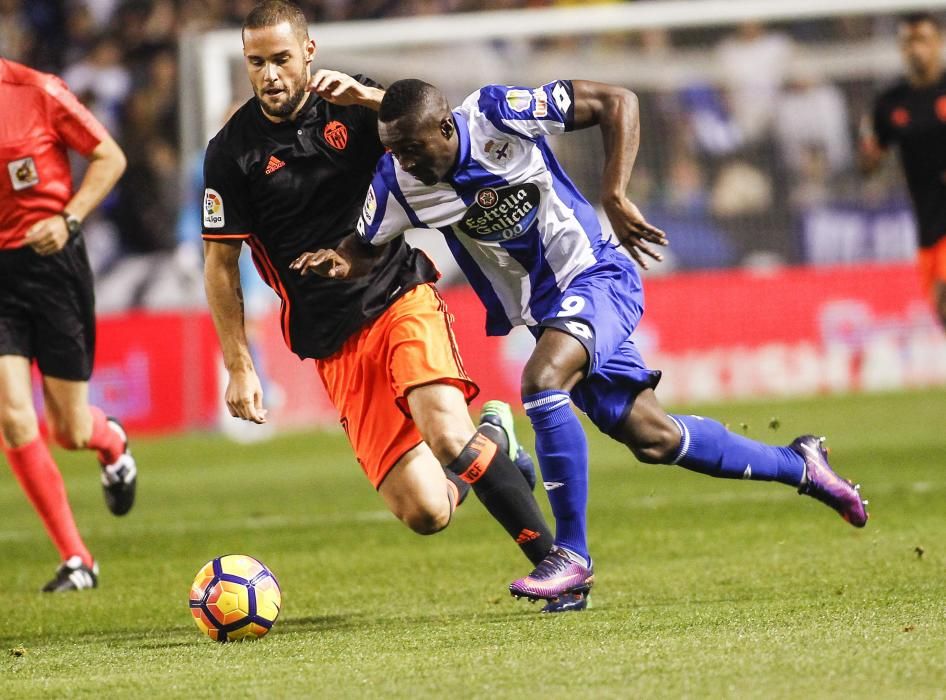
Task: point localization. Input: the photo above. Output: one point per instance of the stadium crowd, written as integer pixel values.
(733, 169)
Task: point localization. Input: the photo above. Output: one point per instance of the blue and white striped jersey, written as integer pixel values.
(519, 229)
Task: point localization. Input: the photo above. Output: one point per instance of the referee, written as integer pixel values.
(47, 305)
(912, 115)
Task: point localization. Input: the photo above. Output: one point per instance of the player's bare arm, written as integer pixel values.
(615, 111)
(352, 258)
(244, 395)
(870, 153)
(106, 165)
(341, 89)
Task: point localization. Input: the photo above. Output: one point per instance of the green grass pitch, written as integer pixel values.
(705, 588)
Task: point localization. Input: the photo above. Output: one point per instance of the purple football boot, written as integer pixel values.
(555, 577)
(822, 483)
(569, 602)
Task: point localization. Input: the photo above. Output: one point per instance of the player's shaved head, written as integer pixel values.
(269, 13)
(414, 99)
(415, 123)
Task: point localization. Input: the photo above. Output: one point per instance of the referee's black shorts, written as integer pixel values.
(47, 309)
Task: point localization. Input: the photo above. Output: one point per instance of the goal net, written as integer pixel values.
(750, 112)
(749, 109)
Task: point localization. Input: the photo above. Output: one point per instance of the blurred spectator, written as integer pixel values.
(710, 124)
(152, 108)
(741, 199)
(148, 273)
(81, 32)
(683, 211)
(812, 115)
(16, 37)
(200, 15)
(100, 11)
(102, 82)
(754, 63)
(811, 183)
(46, 19)
(148, 202)
(813, 138)
(714, 155)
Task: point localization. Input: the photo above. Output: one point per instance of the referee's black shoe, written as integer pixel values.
(73, 575)
(120, 478)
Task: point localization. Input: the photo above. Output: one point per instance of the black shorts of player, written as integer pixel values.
(47, 309)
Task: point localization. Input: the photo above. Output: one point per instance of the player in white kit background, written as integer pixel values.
(532, 248)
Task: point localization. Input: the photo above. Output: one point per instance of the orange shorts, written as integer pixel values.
(368, 379)
(932, 264)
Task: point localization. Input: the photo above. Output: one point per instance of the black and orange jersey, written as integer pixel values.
(299, 186)
(40, 120)
(915, 120)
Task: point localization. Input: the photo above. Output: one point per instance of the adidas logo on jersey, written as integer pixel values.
(273, 165)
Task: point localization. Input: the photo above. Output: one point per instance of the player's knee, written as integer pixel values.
(447, 444)
(427, 520)
(544, 376)
(651, 454)
(18, 424)
(658, 446)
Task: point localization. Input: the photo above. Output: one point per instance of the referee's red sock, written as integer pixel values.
(108, 442)
(34, 468)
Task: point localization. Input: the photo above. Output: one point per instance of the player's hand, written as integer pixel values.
(325, 262)
(244, 396)
(48, 236)
(341, 89)
(633, 231)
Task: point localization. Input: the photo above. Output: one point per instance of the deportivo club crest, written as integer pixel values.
(497, 150)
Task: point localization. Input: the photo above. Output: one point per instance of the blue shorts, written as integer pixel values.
(601, 308)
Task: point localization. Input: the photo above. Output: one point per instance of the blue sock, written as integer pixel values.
(562, 449)
(707, 447)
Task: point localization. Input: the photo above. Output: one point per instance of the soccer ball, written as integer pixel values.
(235, 597)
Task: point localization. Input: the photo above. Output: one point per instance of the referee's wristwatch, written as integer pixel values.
(73, 225)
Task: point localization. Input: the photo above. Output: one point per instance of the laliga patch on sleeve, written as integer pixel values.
(371, 205)
(519, 100)
(23, 173)
(213, 209)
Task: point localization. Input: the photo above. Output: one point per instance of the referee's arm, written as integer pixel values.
(106, 164)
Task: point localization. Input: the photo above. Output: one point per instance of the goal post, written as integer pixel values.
(410, 46)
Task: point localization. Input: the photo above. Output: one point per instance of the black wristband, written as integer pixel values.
(73, 225)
